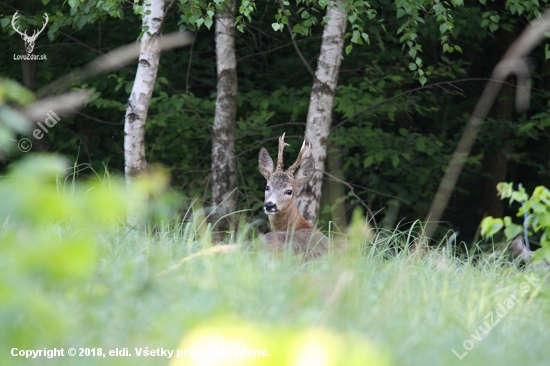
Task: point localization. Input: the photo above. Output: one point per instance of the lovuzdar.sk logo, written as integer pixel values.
(29, 40)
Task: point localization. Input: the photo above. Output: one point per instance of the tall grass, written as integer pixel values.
(373, 303)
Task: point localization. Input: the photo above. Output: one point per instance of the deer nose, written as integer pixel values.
(270, 207)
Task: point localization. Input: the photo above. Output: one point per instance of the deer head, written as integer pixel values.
(29, 40)
(282, 186)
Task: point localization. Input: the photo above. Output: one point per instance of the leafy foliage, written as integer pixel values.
(534, 209)
(396, 137)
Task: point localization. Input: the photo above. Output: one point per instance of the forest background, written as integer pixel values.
(411, 73)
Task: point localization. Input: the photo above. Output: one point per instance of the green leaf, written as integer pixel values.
(356, 37)
(4, 22)
(400, 12)
(368, 161)
(490, 226)
(81, 22)
(420, 144)
(519, 197)
(512, 231)
(348, 49)
(13, 91)
(505, 189)
(395, 161)
(276, 26)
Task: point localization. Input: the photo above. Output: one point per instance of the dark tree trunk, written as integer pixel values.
(495, 167)
(336, 190)
(28, 69)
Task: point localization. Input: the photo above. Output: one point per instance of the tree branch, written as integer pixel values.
(189, 65)
(410, 91)
(363, 203)
(296, 44)
(513, 62)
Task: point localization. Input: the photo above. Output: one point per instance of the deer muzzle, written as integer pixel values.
(270, 208)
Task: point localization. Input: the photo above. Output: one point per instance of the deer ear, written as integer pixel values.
(265, 163)
(305, 173)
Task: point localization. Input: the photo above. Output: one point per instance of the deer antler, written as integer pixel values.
(44, 24)
(282, 145)
(15, 27)
(306, 147)
(24, 34)
(35, 34)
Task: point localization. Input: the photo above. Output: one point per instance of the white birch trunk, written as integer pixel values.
(140, 97)
(223, 131)
(319, 115)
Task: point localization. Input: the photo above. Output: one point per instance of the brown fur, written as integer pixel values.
(518, 249)
(290, 219)
(310, 243)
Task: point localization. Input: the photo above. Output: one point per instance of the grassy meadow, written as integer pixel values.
(73, 274)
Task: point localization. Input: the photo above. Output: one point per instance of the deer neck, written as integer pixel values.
(289, 220)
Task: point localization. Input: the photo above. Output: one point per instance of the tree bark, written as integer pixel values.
(320, 105)
(224, 179)
(495, 160)
(28, 68)
(336, 190)
(140, 97)
(495, 166)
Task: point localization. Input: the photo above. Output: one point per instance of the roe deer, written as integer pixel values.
(280, 203)
(519, 250)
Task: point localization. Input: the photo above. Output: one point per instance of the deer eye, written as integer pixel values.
(267, 188)
(289, 192)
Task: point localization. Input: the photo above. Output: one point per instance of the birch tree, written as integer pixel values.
(224, 179)
(140, 97)
(319, 116)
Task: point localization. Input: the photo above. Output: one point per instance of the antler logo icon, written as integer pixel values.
(29, 40)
